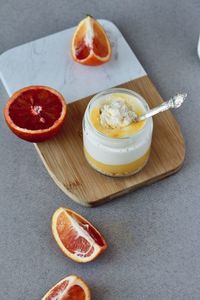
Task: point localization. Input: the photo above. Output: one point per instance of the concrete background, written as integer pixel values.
(153, 233)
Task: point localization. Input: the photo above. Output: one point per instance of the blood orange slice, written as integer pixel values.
(90, 44)
(35, 113)
(76, 236)
(69, 288)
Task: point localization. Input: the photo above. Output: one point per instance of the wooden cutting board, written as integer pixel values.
(43, 62)
(64, 159)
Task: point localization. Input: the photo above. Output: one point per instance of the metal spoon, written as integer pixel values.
(173, 102)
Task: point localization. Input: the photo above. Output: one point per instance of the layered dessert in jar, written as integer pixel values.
(114, 144)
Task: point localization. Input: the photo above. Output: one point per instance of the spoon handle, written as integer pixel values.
(154, 111)
(173, 102)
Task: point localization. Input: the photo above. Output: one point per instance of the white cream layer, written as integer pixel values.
(118, 155)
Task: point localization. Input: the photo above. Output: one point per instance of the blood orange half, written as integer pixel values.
(76, 236)
(69, 288)
(90, 43)
(35, 113)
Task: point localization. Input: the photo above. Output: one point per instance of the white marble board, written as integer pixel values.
(48, 61)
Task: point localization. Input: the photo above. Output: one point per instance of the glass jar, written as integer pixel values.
(116, 156)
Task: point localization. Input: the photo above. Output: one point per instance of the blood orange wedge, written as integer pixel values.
(69, 288)
(76, 236)
(90, 44)
(35, 113)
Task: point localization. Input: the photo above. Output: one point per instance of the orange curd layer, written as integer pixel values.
(118, 170)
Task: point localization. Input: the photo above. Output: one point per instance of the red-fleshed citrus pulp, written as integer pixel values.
(90, 43)
(69, 288)
(35, 113)
(76, 236)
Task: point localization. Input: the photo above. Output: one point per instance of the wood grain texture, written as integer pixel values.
(64, 159)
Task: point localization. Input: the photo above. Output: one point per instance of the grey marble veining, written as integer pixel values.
(48, 61)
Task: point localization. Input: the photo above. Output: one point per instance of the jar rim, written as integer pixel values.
(124, 91)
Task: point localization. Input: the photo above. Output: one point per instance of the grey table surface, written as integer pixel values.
(153, 233)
